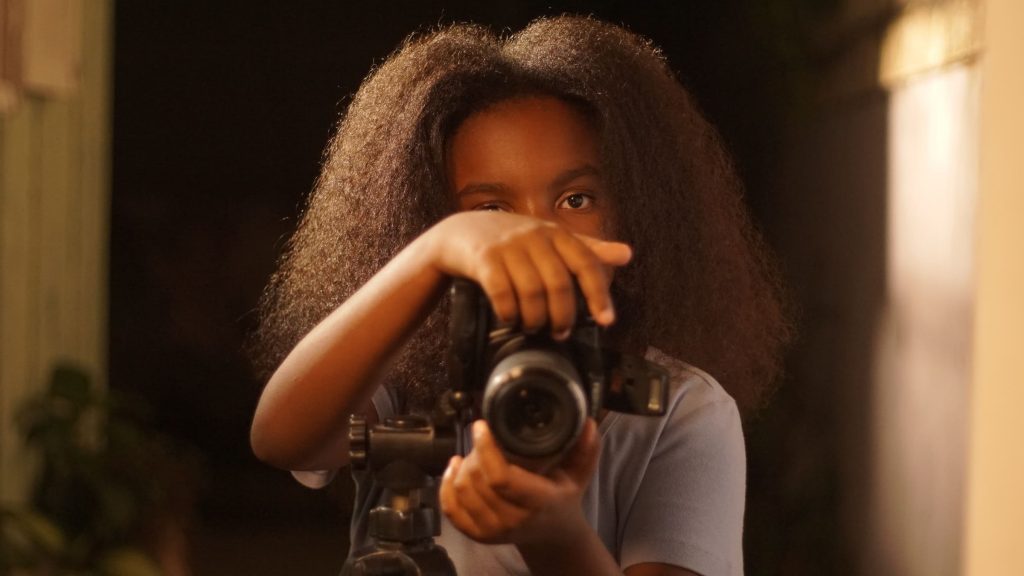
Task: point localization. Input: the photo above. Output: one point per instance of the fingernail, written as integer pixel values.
(606, 317)
(562, 335)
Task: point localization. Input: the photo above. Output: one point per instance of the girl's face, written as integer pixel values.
(536, 156)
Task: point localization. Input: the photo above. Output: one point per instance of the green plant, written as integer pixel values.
(103, 484)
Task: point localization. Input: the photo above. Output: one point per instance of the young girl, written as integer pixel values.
(566, 152)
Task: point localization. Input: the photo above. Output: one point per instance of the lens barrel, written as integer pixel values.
(534, 403)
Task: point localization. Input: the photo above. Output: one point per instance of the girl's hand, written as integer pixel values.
(526, 267)
(493, 501)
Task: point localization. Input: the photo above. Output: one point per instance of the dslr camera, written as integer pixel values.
(535, 392)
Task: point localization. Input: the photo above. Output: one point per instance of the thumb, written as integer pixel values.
(581, 461)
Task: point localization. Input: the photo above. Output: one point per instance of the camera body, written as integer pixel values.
(535, 392)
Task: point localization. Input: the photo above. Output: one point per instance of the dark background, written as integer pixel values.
(221, 112)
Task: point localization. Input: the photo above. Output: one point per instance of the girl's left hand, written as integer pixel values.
(493, 501)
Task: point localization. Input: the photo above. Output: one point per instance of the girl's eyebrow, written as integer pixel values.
(574, 173)
(560, 181)
(481, 187)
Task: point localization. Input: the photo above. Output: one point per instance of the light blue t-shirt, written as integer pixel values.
(668, 490)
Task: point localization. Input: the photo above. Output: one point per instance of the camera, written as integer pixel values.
(535, 392)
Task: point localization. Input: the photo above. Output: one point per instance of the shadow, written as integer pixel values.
(810, 466)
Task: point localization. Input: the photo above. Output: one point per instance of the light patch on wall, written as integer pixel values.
(52, 46)
(928, 36)
(923, 348)
(40, 49)
(933, 183)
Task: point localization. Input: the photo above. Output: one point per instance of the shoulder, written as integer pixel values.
(689, 377)
(695, 394)
(698, 412)
(699, 437)
(686, 487)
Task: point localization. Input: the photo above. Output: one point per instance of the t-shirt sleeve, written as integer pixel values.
(384, 403)
(688, 510)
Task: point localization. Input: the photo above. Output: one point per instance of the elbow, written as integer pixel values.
(283, 445)
(268, 447)
(261, 446)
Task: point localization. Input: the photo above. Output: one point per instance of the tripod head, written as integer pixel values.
(404, 454)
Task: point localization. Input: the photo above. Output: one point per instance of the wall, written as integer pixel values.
(995, 500)
(875, 220)
(54, 199)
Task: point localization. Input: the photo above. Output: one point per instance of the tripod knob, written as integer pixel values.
(358, 441)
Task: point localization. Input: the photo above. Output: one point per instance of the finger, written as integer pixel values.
(515, 485)
(493, 466)
(454, 463)
(509, 515)
(492, 460)
(469, 487)
(452, 501)
(591, 275)
(558, 285)
(495, 282)
(529, 289)
(446, 493)
(581, 461)
(612, 253)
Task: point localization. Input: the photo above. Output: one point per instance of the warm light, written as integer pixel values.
(928, 37)
(923, 349)
(994, 544)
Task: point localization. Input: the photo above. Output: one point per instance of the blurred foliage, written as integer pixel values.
(104, 483)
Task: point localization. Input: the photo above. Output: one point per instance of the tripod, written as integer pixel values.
(404, 454)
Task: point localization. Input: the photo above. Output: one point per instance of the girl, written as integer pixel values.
(565, 152)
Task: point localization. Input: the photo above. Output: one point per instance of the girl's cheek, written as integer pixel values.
(593, 225)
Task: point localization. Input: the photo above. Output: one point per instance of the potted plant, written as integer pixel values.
(107, 499)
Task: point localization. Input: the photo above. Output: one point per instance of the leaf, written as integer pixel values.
(27, 529)
(128, 562)
(70, 382)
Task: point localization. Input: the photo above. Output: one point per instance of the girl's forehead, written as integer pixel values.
(532, 108)
(542, 130)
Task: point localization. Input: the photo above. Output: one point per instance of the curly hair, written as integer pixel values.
(700, 286)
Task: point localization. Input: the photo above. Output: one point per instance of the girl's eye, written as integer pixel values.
(577, 201)
(490, 207)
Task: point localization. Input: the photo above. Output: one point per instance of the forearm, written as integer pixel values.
(586, 554)
(301, 421)
(579, 552)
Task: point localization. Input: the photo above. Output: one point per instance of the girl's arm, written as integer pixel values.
(524, 265)
(301, 421)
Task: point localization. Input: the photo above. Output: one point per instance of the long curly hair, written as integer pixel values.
(700, 286)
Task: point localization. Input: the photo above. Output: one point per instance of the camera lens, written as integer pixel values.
(533, 413)
(534, 404)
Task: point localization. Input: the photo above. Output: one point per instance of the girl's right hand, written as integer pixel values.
(526, 267)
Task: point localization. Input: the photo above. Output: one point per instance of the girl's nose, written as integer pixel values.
(539, 209)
